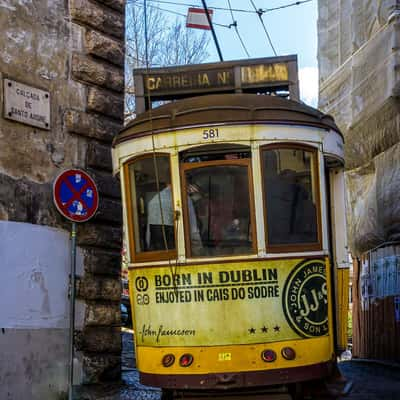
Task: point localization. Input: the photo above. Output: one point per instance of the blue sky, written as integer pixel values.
(293, 30)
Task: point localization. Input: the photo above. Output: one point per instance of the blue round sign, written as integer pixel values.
(75, 195)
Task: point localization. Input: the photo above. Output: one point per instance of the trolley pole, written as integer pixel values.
(72, 311)
(212, 30)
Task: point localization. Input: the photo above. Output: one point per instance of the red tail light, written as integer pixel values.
(288, 353)
(186, 360)
(268, 355)
(168, 360)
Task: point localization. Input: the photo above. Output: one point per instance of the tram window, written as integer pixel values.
(213, 157)
(215, 152)
(218, 208)
(152, 216)
(291, 196)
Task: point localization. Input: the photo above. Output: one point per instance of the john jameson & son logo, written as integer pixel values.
(305, 299)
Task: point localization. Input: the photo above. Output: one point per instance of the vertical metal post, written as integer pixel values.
(212, 30)
(72, 310)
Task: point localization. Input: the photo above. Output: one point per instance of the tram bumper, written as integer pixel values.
(225, 381)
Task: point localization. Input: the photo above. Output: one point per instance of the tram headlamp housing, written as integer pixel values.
(268, 355)
(186, 360)
(288, 353)
(168, 360)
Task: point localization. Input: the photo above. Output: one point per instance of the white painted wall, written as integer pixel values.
(34, 265)
(34, 311)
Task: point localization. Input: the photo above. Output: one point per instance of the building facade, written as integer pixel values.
(358, 56)
(61, 95)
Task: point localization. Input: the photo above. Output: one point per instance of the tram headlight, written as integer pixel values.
(186, 360)
(168, 360)
(268, 355)
(288, 353)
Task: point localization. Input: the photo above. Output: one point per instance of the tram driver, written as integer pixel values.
(218, 212)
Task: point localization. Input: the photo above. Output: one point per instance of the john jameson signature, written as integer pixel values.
(148, 330)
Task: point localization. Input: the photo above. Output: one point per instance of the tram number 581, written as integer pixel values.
(142, 299)
(210, 133)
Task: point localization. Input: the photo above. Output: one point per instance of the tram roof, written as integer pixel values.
(224, 108)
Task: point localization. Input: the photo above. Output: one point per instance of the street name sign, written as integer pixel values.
(26, 104)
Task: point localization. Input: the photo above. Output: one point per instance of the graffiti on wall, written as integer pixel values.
(380, 275)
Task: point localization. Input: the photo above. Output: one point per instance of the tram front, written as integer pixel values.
(234, 215)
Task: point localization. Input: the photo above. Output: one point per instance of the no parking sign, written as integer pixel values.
(75, 195)
(76, 198)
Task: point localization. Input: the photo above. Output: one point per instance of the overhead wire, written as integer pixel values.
(155, 164)
(173, 269)
(260, 13)
(264, 10)
(234, 24)
(255, 11)
(296, 3)
(140, 4)
(196, 6)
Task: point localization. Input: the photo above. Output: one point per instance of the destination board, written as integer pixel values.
(272, 75)
(264, 73)
(161, 83)
(167, 82)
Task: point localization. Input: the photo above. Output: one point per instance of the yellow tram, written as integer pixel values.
(234, 215)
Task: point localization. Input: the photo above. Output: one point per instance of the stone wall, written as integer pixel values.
(74, 50)
(359, 43)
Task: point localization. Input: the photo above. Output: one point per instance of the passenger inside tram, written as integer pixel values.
(160, 220)
(152, 196)
(290, 198)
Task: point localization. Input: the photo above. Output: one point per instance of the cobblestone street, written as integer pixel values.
(133, 389)
(371, 381)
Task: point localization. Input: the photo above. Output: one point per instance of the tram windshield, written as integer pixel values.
(153, 219)
(218, 206)
(291, 193)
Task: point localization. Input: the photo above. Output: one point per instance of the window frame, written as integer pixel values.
(290, 248)
(185, 208)
(143, 256)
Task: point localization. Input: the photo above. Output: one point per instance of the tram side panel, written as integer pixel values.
(341, 266)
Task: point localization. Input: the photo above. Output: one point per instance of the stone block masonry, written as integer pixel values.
(73, 50)
(95, 14)
(98, 66)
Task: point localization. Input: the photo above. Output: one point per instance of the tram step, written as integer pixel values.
(259, 395)
(265, 396)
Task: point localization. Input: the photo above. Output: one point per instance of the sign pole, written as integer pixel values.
(212, 30)
(72, 310)
(76, 197)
